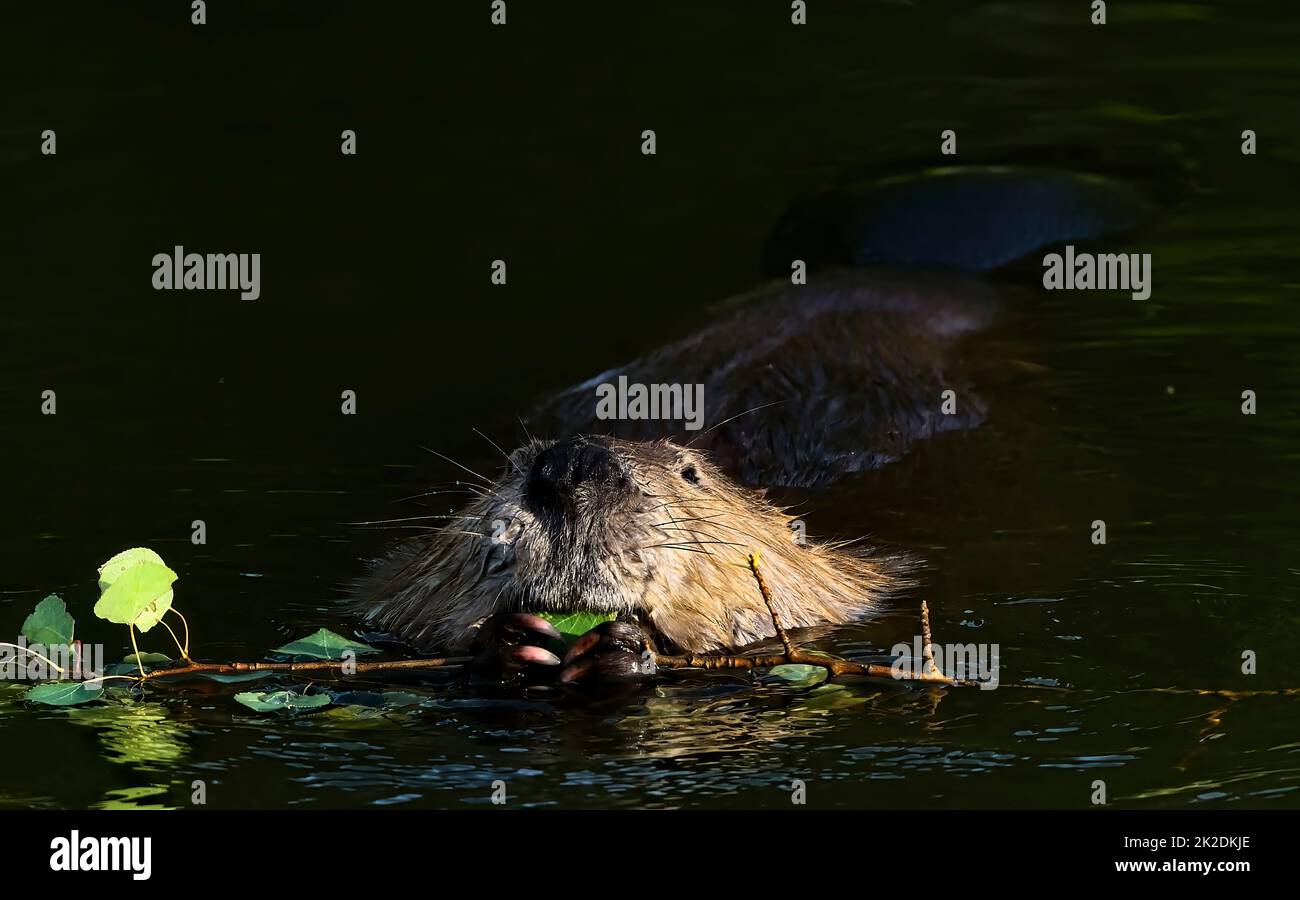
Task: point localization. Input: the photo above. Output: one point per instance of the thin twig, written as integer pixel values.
(771, 608)
(794, 654)
(927, 641)
(196, 668)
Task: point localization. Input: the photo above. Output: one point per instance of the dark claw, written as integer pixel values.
(536, 655)
(612, 652)
(582, 645)
(575, 672)
(534, 623)
(515, 628)
(508, 647)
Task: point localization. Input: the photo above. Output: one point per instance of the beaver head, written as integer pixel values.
(648, 530)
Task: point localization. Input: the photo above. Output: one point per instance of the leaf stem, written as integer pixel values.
(139, 663)
(179, 646)
(106, 678)
(45, 659)
(185, 651)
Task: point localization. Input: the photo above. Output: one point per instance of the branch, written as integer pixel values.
(771, 608)
(927, 641)
(353, 668)
(793, 654)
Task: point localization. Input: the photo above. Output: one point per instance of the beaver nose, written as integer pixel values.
(561, 468)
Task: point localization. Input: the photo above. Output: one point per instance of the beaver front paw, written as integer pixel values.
(612, 652)
(508, 646)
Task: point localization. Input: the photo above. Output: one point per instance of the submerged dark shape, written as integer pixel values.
(971, 219)
(806, 383)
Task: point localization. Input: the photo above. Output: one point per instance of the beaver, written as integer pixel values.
(802, 383)
(651, 532)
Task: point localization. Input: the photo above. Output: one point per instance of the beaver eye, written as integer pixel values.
(691, 475)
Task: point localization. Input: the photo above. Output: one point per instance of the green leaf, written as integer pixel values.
(128, 667)
(149, 659)
(235, 677)
(127, 559)
(395, 699)
(137, 596)
(368, 709)
(574, 625)
(831, 697)
(273, 701)
(324, 644)
(64, 693)
(799, 675)
(49, 624)
(8, 688)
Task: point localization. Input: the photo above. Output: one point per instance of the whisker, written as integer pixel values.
(732, 419)
(458, 531)
(841, 543)
(493, 443)
(466, 468)
(676, 547)
(520, 420)
(677, 522)
(672, 518)
(684, 501)
(425, 529)
(473, 489)
(716, 542)
(711, 520)
(695, 543)
(705, 534)
(410, 519)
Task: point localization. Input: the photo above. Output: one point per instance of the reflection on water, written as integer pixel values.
(143, 736)
(146, 797)
(136, 733)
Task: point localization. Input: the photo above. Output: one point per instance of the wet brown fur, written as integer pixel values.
(666, 549)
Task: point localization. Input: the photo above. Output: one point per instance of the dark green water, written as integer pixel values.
(522, 143)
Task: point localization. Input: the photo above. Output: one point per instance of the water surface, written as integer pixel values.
(522, 143)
